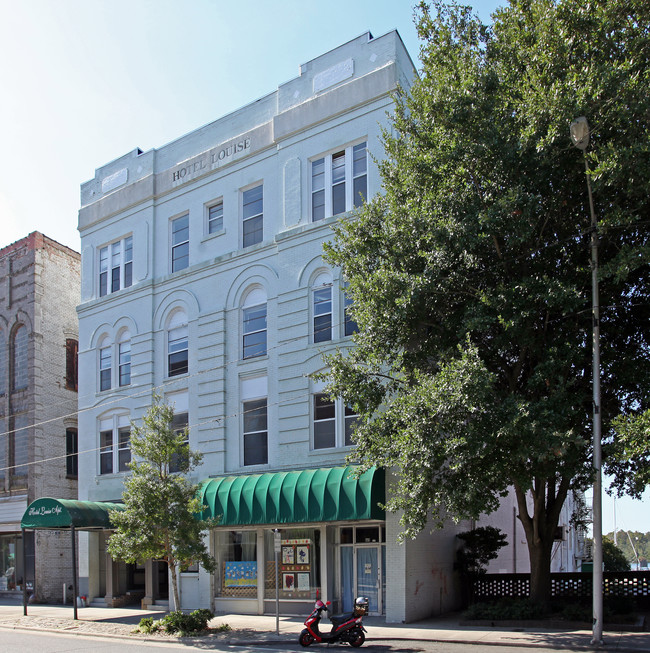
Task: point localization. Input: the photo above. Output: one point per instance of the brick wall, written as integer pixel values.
(39, 289)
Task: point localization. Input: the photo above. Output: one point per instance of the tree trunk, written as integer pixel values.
(177, 598)
(540, 571)
(547, 501)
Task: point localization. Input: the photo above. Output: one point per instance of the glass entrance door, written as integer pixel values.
(369, 576)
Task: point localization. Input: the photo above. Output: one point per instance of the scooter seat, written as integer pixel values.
(338, 619)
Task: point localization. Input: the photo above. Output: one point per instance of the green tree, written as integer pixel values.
(470, 273)
(613, 558)
(160, 520)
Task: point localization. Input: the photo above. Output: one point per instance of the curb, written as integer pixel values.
(264, 639)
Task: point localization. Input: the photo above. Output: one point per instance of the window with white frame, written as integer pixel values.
(254, 409)
(254, 324)
(177, 344)
(252, 216)
(105, 364)
(324, 421)
(333, 421)
(180, 243)
(349, 325)
(215, 217)
(350, 420)
(322, 308)
(124, 358)
(114, 444)
(339, 181)
(116, 266)
(180, 422)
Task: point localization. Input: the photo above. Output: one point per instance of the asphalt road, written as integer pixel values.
(15, 641)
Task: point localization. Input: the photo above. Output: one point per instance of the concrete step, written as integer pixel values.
(159, 605)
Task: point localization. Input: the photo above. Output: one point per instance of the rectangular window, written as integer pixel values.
(180, 243)
(323, 314)
(254, 331)
(103, 271)
(324, 422)
(180, 422)
(215, 218)
(106, 452)
(349, 324)
(18, 451)
(252, 216)
(114, 444)
(124, 350)
(236, 554)
(71, 364)
(123, 449)
(128, 261)
(339, 182)
(350, 420)
(116, 266)
(359, 175)
(255, 432)
(318, 189)
(71, 453)
(177, 351)
(105, 368)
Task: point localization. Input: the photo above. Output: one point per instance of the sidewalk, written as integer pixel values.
(252, 629)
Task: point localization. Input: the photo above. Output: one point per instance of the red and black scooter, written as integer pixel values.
(346, 627)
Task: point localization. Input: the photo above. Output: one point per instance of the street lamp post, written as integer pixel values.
(580, 138)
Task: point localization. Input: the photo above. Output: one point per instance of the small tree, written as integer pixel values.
(160, 518)
(480, 545)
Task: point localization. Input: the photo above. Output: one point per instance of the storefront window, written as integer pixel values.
(299, 564)
(11, 562)
(236, 574)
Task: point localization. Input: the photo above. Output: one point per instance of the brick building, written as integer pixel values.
(39, 292)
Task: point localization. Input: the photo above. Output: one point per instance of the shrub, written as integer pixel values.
(147, 625)
(186, 624)
(506, 609)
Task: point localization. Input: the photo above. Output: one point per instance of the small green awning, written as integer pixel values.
(311, 495)
(64, 513)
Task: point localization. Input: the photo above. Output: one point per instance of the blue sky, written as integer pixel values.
(86, 81)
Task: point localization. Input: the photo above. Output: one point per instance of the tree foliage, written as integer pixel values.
(161, 507)
(470, 272)
(613, 558)
(480, 545)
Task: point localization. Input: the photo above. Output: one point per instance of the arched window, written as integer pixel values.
(105, 364)
(254, 324)
(20, 356)
(322, 307)
(124, 358)
(3, 363)
(177, 344)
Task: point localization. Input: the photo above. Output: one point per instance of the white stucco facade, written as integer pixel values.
(203, 280)
(212, 245)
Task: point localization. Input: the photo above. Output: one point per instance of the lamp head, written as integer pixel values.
(580, 133)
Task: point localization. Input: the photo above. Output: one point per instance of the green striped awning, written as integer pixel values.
(64, 513)
(311, 495)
